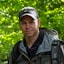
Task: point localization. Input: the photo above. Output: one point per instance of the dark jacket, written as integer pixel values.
(43, 54)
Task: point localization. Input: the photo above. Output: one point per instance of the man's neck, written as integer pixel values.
(30, 40)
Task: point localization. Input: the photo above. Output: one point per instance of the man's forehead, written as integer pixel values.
(27, 18)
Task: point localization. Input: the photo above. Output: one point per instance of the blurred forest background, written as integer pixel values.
(51, 14)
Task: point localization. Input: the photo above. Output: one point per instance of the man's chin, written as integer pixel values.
(29, 35)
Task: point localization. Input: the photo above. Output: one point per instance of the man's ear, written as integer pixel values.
(20, 25)
(38, 22)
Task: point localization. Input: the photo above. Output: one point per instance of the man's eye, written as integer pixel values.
(23, 23)
(31, 22)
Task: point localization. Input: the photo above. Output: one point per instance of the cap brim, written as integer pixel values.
(29, 15)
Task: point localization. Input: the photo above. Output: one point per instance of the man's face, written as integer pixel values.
(29, 26)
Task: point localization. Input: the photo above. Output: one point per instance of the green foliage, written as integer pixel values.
(51, 13)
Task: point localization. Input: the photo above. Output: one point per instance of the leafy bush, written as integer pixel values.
(51, 14)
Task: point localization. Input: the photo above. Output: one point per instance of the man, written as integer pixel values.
(35, 48)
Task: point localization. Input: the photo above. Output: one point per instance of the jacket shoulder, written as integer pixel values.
(49, 31)
(16, 46)
(52, 34)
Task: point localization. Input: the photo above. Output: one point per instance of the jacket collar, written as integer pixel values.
(44, 46)
(22, 47)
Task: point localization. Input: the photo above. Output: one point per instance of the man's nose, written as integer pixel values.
(27, 25)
